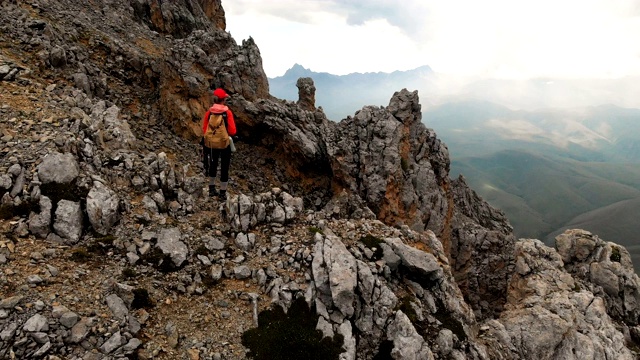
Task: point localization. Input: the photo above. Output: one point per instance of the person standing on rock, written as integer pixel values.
(218, 126)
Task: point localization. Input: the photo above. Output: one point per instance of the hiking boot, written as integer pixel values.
(212, 191)
(222, 195)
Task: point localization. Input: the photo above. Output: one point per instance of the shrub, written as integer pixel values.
(290, 336)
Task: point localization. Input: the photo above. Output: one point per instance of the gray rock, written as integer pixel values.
(18, 185)
(42, 350)
(36, 323)
(169, 243)
(391, 259)
(58, 310)
(102, 208)
(117, 306)
(216, 272)
(133, 258)
(68, 221)
(34, 279)
(80, 330)
(242, 272)
(407, 343)
(69, 319)
(132, 345)
(335, 273)
(604, 267)
(82, 82)
(423, 264)
(214, 244)
(40, 223)
(40, 337)
(561, 322)
(5, 182)
(58, 169)
(8, 332)
(242, 241)
(4, 71)
(150, 204)
(10, 302)
(445, 341)
(114, 342)
(58, 57)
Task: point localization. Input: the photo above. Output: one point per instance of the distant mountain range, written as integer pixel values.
(343, 95)
(550, 169)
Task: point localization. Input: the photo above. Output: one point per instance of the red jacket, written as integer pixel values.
(220, 109)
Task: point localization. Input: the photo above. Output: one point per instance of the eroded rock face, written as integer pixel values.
(401, 170)
(306, 94)
(605, 269)
(180, 18)
(548, 317)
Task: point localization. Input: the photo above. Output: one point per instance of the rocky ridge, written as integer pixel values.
(111, 249)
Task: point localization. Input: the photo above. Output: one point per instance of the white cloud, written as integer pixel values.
(489, 38)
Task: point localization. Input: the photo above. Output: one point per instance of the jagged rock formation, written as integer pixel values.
(111, 247)
(306, 94)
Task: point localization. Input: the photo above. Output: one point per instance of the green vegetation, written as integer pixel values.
(315, 230)
(542, 195)
(405, 306)
(290, 336)
(373, 243)
(404, 164)
(615, 254)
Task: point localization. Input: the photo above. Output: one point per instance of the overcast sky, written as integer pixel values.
(489, 38)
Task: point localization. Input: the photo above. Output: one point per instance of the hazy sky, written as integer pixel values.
(489, 38)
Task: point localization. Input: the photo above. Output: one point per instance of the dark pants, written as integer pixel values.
(211, 162)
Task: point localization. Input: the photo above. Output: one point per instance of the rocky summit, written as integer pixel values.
(343, 240)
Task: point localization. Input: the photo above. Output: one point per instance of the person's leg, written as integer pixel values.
(224, 171)
(214, 154)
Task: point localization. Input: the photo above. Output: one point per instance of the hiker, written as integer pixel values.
(218, 126)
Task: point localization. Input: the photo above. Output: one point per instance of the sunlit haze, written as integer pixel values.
(485, 39)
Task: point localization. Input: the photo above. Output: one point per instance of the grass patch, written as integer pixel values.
(373, 243)
(314, 230)
(404, 164)
(404, 305)
(615, 254)
(290, 336)
(81, 255)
